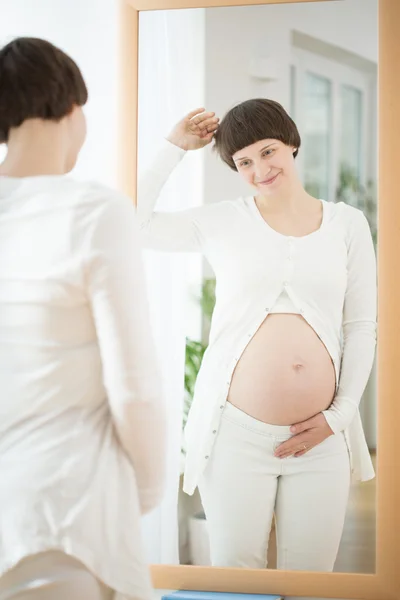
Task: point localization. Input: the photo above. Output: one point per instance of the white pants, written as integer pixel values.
(244, 485)
(52, 576)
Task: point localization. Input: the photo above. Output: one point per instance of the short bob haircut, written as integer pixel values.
(252, 121)
(37, 81)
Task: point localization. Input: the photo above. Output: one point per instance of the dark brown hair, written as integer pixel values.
(37, 81)
(252, 121)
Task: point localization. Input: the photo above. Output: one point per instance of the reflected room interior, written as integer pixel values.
(319, 60)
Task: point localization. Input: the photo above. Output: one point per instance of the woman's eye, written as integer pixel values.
(244, 164)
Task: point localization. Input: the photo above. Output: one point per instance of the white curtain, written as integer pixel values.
(171, 83)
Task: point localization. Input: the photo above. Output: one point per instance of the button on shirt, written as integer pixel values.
(329, 276)
(79, 387)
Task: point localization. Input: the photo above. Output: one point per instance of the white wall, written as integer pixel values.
(88, 31)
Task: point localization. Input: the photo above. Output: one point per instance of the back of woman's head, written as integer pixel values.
(37, 81)
(250, 122)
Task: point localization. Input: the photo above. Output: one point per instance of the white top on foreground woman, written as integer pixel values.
(307, 365)
(82, 422)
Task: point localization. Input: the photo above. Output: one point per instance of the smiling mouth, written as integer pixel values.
(268, 181)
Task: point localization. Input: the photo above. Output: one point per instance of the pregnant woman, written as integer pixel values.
(78, 376)
(274, 427)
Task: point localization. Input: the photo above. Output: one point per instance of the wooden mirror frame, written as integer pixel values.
(385, 583)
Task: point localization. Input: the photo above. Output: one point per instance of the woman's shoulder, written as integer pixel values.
(224, 207)
(95, 196)
(212, 214)
(353, 223)
(70, 192)
(91, 204)
(346, 214)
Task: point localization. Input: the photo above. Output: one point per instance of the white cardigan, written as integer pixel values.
(330, 276)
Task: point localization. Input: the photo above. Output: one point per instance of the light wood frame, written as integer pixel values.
(385, 583)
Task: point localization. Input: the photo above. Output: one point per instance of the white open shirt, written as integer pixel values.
(81, 413)
(330, 276)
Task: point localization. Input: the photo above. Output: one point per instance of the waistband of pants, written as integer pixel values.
(235, 415)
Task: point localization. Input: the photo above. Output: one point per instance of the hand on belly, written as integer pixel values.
(306, 435)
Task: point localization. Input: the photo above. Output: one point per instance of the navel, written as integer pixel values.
(298, 367)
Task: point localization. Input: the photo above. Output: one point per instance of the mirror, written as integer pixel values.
(272, 355)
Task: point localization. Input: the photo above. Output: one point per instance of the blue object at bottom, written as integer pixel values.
(194, 595)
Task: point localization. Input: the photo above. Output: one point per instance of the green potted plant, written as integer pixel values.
(195, 348)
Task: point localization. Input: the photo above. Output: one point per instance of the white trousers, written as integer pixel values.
(52, 576)
(244, 485)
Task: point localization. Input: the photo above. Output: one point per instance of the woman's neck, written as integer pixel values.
(36, 148)
(293, 199)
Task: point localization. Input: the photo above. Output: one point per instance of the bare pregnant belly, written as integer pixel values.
(285, 374)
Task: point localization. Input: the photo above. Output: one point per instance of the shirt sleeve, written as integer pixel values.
(117, 292)
(177, 231)
(359, 326)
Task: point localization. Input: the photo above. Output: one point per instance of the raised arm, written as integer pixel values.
(178, 231)
(359, 326)
(116, 288)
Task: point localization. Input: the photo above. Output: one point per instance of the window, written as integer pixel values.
(316, 135)
(351, 105)
(350, 150)
(334, 108)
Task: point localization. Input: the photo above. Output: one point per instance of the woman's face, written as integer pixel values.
(267, 165)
